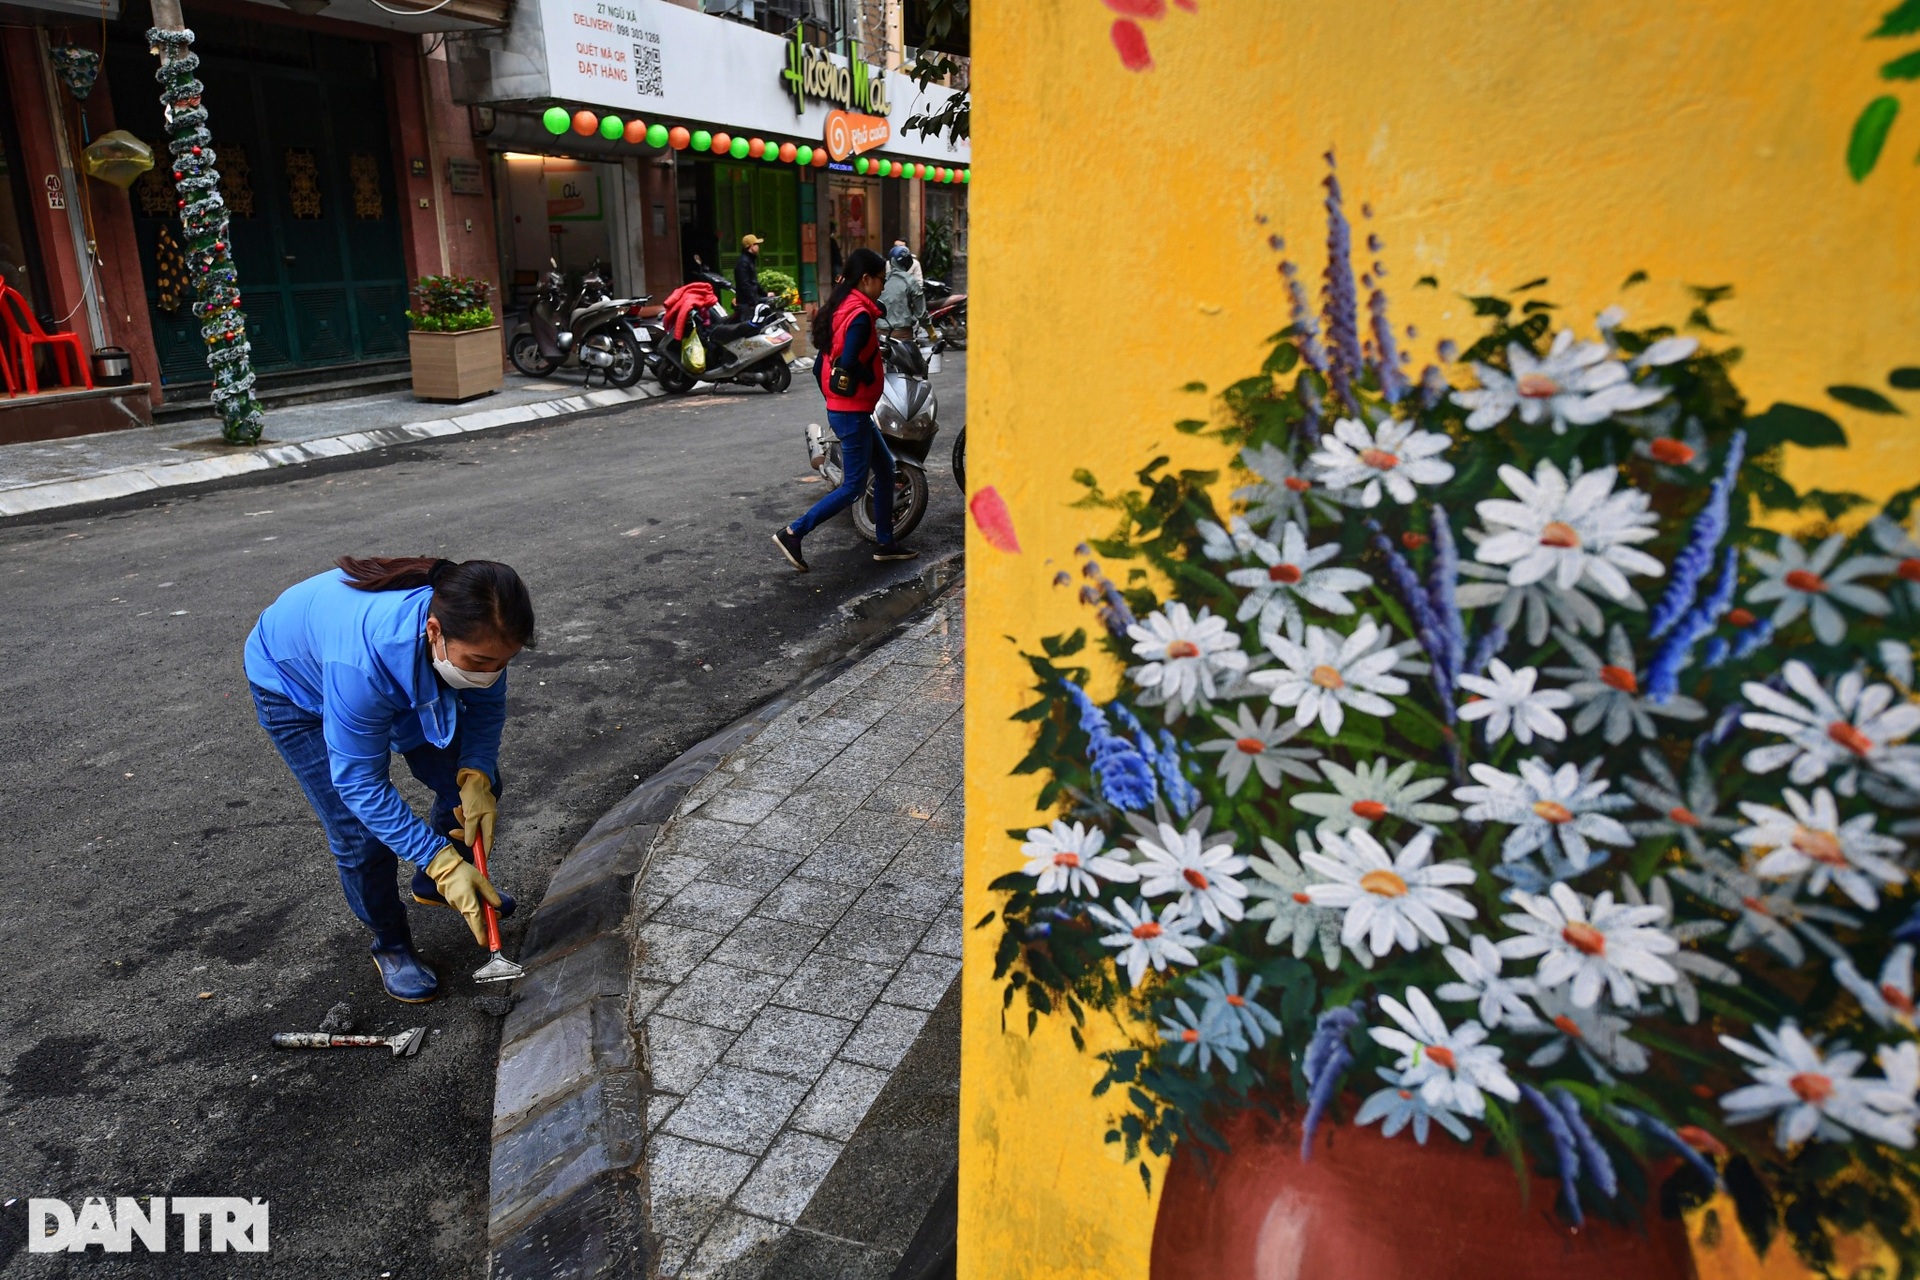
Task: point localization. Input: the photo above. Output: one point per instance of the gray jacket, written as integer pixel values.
(902, 300)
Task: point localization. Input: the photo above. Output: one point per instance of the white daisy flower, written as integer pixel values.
(1888, 1002)
(1365, 794)
(1598, 946)
(1177, 863)
(1814, 584)
(1448, 1068)
(1388, 900)
(1812, 1096)
(1280, 491)
(1679, 449)
(1502, 1000)
(1508, 701)
(1563, 811)
(1810, 839)
(1398, 1106)
(1596, 1035)
(1855, 724)
(1229, 1001)
(1290, 575)
(1900, 548)
(1183, 654)
(1609, 692)
(1539, 604)
(1575, 383)
(1281, 890)
(1067, 859)
(1208, 1034)
(1394, 456)
(1329, 673)
(1681, 815)
(1764, 914)
(1568, 530)
(1234, 542)
(1143, 940)
(1688, 962)
(1255, 745)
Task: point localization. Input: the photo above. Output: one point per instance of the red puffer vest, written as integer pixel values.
(865, 394)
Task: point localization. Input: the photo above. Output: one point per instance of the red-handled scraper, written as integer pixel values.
(498, 968)
(404, 1045)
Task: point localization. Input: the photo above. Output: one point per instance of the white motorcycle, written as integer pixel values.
(906, 417)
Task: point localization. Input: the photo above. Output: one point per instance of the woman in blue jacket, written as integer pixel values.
(395, 655)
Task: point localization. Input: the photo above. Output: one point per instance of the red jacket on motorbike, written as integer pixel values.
(856, 350)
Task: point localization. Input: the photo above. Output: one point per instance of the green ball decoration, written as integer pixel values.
(738, 149)
(611, 128)
(966, 176)
(886, 167)
(656, 135)
(557, 120)
(772, 154)
(702, 140)
(860, 164)
(803, 155)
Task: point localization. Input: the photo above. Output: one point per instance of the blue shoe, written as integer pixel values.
(427, 894)
(402, 973)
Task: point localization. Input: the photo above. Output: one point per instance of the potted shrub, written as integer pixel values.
(1505, 768)
(782, 287)
(455, 340)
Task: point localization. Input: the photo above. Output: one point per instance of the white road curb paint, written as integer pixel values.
(54, 494)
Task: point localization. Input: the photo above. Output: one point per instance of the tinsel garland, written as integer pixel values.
(203, 216)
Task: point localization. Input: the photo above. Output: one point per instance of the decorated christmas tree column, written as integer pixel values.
(203, 218)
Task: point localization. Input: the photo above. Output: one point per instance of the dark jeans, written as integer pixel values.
(366, 865)
(862, 451)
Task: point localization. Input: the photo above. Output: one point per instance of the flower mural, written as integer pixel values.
(1410, 825)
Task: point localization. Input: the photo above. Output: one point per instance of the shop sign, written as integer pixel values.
(56, 194)
(811, 73)
(463, 177)
(850, 134)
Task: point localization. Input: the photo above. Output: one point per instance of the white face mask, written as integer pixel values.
(460, 677)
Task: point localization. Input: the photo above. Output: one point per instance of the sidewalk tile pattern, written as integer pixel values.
(799, 920)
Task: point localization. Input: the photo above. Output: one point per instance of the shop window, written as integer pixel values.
(365, 171)
(303, 182)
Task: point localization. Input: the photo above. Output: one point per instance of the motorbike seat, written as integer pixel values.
(731, 331)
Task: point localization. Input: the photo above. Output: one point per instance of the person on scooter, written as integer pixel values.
(383, 655)
(746, 277)
(903, 299)
(851, 372)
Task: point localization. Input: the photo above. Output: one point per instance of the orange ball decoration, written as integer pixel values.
(756, 148)
(939, 173)
(721, 142)
(679, 138)
(636, 132)
(820, 158)
(787, 152)
(585, 123)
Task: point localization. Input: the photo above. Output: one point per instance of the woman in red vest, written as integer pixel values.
(847, 336)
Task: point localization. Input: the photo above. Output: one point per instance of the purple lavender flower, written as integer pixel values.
(1393, 382)
(1125, 778)
(1491, 642)
(1752, 638)
(1306, 329)
(1324, 1063)
(1696, 558)
(1663, 672)
(1642, 1120)
(1339, 301)
(1565, 1149)
(1593, 1156)
(1442, 583)
(1426, 623)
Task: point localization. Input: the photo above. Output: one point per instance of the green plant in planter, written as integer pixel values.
(936, 249)
(782, 286)
(451, 304)
(1487, 756)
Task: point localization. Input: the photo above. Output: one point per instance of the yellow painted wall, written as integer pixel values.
(1116, 256)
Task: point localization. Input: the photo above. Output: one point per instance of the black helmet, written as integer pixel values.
(901, 256)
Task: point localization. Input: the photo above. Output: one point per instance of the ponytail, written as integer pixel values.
(861, 263)
(471, 598)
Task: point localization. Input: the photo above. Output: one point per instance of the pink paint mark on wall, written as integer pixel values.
(1151, 9)
(995, 523)
(1131, 42)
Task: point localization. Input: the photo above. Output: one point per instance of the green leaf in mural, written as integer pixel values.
(1638, 277)
(1901, 20)
(1870, 135)
(1793, 424)
(1863, 398)
(1905, 378)
(1905, 67)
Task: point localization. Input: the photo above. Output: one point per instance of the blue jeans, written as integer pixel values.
(366, 865)
(862, 451)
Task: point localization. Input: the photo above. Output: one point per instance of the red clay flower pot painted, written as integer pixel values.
(1373, 1208)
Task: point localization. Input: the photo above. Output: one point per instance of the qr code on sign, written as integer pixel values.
(646, 71)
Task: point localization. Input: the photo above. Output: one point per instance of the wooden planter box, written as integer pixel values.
(455, 366)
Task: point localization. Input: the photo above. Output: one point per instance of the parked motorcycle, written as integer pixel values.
(960, 461)
(906, 417)
(585, 330)
(752, 350)
(947, 315)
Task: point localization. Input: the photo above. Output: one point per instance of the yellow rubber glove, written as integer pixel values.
(462, 885)
(477, 809)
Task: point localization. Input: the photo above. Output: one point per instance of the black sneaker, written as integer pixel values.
(789, 543)
(894, 551)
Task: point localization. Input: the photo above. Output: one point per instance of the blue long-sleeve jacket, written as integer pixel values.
(359, 661)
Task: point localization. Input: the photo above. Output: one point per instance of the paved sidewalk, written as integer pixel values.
(800, 920)
(41, 475)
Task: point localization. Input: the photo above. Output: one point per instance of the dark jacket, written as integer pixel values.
(746, 282)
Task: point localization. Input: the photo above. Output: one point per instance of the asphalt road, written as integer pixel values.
(170, 901)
